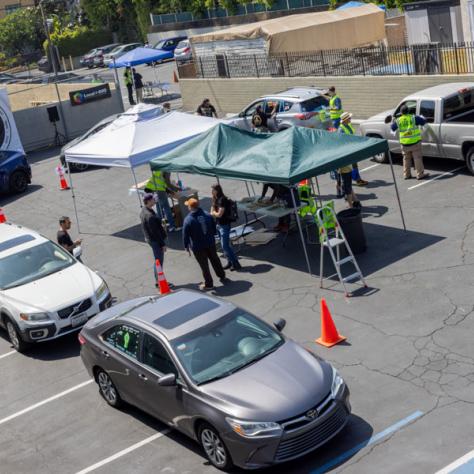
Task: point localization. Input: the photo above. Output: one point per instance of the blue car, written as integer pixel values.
(15, 172)
(167, 46)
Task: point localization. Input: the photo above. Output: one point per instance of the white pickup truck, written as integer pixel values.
(449, 131)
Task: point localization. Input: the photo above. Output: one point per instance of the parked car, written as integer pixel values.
(449, 113)
(303, 106)
(15, 172)
(92, 131)
(119, 51)
(183, 51)
(44, 65)
(88, 59)
(248, 394)
(6, 78)
(70, 77)
(45, 292)
(167, 47)
(98, 60)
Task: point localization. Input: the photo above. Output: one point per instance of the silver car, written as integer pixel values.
(302, 106)
(119, 51)
(249, 395)
(183, 51)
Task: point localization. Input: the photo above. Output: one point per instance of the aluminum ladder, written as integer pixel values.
(332, 236)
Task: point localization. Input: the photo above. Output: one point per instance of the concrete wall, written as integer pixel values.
(363, 96)
(395, 31)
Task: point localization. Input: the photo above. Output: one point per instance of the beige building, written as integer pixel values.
(9, 6)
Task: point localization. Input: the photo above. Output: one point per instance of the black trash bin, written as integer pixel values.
(351, 224)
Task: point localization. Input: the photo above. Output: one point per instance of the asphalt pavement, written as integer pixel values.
(408, 359)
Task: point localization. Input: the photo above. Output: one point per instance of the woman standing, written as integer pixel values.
(221, 211)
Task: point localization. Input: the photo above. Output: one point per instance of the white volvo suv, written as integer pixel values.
(45, 292)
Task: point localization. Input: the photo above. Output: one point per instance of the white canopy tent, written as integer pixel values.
(134, 139)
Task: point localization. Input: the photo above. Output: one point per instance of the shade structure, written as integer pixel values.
(138, 56)
(284, 158)
(354, 4)
(136, 142)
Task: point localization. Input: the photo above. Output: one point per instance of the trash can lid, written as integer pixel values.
(348, 213)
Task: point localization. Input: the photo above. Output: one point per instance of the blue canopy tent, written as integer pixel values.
(138, 56)
(353, 4)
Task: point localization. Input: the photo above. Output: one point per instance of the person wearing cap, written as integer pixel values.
(206, 109)
(199, 230)
(153, 231)
(347, 128)
(335, 107)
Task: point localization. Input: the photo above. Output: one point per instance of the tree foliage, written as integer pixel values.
(78, 40)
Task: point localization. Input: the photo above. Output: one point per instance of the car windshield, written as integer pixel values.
(182, 44)
(225, 346)
(32, 264)
(160, 44)
(314, 104)
(117, 49)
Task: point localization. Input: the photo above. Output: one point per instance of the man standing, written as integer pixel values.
(408, 126)
(206, 109)
(63, 237)
(199, 231)
(137, 78)
(128, 79)
(347, 128)
(335, 107)
(153, 231)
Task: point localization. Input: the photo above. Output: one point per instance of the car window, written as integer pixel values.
(124, 338)
(271, 106)
(427, 110)
(459, 103)
(183, 44)
(250, 111)
(313, 104)
(411, 104)
(155, 356)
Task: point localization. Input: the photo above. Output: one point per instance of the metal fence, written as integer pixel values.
(422, 59)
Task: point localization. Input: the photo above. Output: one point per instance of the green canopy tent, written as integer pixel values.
(284, 158)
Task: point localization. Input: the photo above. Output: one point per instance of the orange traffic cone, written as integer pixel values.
(175, 77)
(63, 186)
(3, 217)
(304, 182)
(329, 335)
(162, 283)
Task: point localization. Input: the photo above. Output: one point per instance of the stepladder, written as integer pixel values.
(331, 236)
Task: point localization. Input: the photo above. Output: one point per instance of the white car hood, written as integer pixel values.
(380, 117)
(57, 290)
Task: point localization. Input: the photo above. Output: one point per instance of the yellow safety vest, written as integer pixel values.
(334, 112)
(156, 182)
(409, 131)
(347, 129)
(128, 77)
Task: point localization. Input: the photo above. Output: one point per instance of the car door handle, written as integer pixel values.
(105, 354)
(143, 376)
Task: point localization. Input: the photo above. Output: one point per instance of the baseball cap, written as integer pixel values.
(192, 202)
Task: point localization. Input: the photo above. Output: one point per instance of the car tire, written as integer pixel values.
(107, 389)
(15, 337)
(380, 157)
(214, 448)
(470, 159)
(18, 182)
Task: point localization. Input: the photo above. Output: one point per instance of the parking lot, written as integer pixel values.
(408, 360)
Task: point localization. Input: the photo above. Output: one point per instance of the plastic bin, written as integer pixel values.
(351, 224)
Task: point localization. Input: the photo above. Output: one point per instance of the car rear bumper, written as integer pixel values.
(258, 453)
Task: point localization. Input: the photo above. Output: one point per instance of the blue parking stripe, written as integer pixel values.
(466, 468)
(372, 440)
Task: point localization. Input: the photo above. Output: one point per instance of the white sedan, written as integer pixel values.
(45, 292)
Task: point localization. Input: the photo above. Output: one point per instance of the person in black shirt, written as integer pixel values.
(221, 211)
(137, 79)
(153, 231)
(206, 109)
(63, 237)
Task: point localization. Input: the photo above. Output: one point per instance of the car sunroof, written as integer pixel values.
(185, 313)
(22, 239)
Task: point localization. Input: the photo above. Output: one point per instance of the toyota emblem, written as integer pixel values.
(312, 414)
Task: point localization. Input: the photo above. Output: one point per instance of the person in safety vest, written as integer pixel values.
(408, 126)
(347, 128)
(335, 107)
(128, 79)
(160, 184)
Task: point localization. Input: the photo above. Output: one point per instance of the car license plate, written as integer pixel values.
(78, 320)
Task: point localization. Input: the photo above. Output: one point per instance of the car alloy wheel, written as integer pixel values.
(214, 448)
(107, 389)
(15, 338)
(18, 182)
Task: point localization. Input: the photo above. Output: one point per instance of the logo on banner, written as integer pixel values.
(89, 95)
(5, 130)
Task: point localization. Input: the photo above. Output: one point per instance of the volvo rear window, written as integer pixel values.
(186, 313)
(22, 239)
(314, 104)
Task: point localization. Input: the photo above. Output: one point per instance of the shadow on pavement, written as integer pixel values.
(9, 198)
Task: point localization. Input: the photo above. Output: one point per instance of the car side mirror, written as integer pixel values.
(388, 119)
(280, 324)
(168, 380)
(241, 114)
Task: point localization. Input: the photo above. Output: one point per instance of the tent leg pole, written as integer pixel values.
(253, 190)
(218, 182)
(247, 186)
(319, 191)
(73, 197)
(396, 191)
(136, 187)
(301, 230)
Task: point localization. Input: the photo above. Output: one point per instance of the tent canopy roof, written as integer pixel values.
(284, 158)
(138, 56)
(346, 28)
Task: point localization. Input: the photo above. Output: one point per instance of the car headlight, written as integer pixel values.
(101, 291)
(337, 382)
(34, 316)
(255, 429)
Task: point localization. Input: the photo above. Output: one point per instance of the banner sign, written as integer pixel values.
(9, 138)
(90, 95)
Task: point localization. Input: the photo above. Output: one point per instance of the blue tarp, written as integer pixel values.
(139, 56)
(356, 4)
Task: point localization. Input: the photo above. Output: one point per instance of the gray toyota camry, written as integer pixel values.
(249, 395)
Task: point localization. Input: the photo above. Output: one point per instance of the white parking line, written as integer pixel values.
(370, 167)
(8, 354)
(123, 452)
(466, 461)
(426, 181)
(44, 402)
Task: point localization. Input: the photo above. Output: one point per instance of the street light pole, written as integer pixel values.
(55, 69)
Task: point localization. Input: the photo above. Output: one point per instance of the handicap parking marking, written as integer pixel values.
(8, 354)
(372, 440)
(125, 451)
(426, 181)
(369, 167)
(44, 402)
(463, 465)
